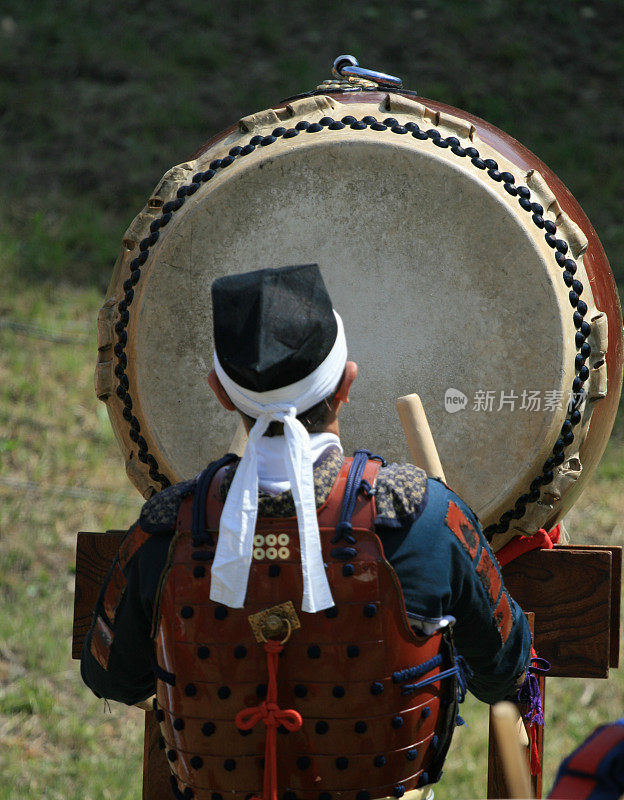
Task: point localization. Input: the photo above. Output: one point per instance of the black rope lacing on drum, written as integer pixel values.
(488, 165)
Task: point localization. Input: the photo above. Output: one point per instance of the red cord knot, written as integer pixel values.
(273, 716)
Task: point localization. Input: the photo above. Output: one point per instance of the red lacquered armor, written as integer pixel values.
(361, 737)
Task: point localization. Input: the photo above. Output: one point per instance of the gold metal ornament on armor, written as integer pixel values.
(277, 622)
(462, 267)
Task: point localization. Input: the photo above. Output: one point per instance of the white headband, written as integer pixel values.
(230, 569)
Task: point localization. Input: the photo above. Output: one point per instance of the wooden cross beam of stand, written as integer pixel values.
(573, 592)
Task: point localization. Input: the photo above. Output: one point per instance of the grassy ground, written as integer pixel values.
(56, 739)
(96, 101)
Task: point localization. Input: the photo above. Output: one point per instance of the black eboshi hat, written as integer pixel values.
(272, 327)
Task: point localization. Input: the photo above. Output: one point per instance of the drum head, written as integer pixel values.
(445, 285)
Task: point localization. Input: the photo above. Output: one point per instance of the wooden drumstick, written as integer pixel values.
(515, 767)
(418, 434)
(146, 705)
(239, 441)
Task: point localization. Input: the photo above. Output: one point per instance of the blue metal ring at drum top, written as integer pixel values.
(490, 167)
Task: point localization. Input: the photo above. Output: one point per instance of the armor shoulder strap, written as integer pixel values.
(214, 502)
(351, 502)
(201, 520)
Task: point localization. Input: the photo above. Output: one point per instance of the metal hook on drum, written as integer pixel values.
(347, 67)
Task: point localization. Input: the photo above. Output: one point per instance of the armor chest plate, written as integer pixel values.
(346, 670)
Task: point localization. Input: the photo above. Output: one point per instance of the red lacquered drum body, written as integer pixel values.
(463, 268)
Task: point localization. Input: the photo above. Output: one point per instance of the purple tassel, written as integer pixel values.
(530, 696)
(529, 693)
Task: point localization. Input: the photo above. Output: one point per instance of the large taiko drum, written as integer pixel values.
(463, 268)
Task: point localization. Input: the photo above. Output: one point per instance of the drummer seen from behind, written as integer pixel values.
(373, 592)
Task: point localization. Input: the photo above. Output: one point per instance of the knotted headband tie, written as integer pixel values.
(233, 556)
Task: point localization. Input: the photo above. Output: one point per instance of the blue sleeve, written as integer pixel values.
(446, 567)
(117, 653)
